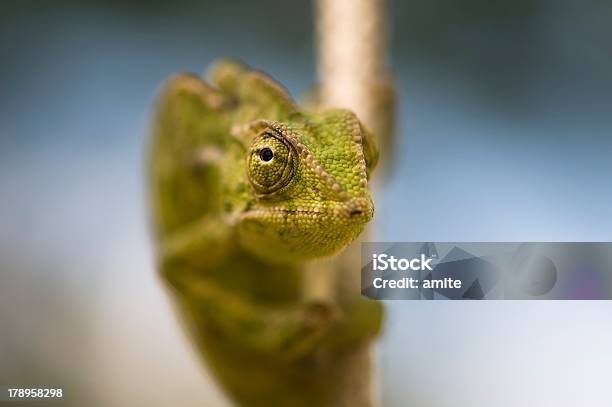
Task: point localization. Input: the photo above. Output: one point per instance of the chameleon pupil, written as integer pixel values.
(266, 154)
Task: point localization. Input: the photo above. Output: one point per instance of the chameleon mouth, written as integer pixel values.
(355, 209)
(292, 230)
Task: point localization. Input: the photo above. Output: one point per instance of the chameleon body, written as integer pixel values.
(245, 188)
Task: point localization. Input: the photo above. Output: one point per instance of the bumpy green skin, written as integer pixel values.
(246, 187)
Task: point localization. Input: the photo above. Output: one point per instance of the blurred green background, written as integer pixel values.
(504, 130)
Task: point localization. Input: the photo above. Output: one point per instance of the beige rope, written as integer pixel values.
(352, 45)
(352, 51)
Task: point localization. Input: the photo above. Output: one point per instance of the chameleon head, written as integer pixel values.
(309, 180)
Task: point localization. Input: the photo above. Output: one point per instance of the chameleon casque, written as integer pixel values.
(246, 188)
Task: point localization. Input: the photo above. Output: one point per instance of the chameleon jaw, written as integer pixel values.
(284, 235)
(358, 210)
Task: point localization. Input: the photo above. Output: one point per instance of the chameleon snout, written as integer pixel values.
(359, 209)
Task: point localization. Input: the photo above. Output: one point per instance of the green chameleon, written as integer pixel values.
(246, 188)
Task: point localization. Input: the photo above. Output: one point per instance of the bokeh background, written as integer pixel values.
(504, 134)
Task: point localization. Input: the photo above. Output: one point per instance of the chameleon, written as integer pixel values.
(247, 188)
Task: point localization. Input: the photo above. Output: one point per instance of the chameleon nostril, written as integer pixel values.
(355, 212)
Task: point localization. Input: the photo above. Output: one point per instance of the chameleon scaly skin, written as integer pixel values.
(246, 188)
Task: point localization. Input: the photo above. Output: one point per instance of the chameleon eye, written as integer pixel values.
(266, 154)
(271, 163)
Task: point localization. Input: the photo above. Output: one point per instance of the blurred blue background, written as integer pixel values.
(504, 134)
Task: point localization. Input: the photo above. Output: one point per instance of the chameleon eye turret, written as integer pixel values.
(271, 163)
